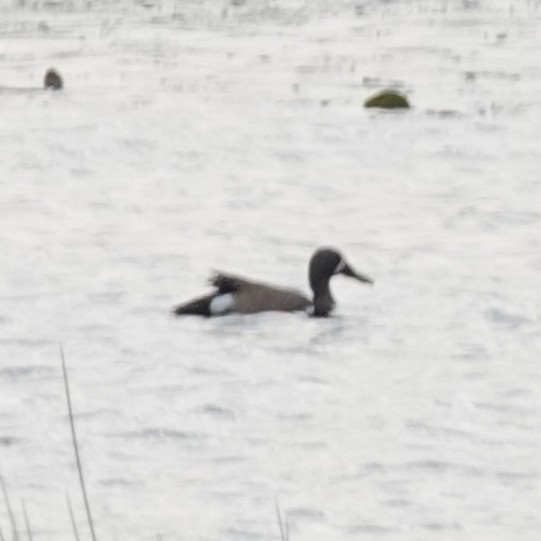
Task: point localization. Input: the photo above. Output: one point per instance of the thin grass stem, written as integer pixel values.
(76, 447)
(26, 521)
(72, 518)
(10, 510)
(284, 528)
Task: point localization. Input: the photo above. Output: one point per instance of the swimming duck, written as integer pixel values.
(234, 294)
(53, 80)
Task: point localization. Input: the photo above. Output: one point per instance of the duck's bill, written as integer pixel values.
(352, 273)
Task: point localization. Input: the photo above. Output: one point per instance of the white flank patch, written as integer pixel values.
(221, 303)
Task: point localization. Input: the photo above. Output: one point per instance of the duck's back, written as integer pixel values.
(249, 297)
(238, 295)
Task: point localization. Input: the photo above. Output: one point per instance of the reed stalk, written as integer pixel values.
(26, 521)
(76, 447)
(284, 528)
(10, 510)
(72, 518)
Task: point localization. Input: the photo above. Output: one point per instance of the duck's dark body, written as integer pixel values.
(245, 296)
(234, 294)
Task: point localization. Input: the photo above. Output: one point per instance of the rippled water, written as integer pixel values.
(201, 135)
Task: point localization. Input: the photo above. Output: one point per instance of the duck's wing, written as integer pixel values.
(270, 299)
(250, 297)
(235, 294)
(219, 302)
(229, 283)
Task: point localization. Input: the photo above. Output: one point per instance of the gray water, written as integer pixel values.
(194, 136)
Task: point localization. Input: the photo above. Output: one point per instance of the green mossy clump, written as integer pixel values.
(387, 99)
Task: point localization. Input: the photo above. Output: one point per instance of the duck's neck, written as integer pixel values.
(323, 301)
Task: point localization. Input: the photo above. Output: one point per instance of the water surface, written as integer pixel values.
(194, 136)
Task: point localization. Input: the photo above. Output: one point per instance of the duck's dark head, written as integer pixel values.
(324, 264)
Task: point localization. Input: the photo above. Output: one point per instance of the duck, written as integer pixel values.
(53, 80)
(237, 295)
